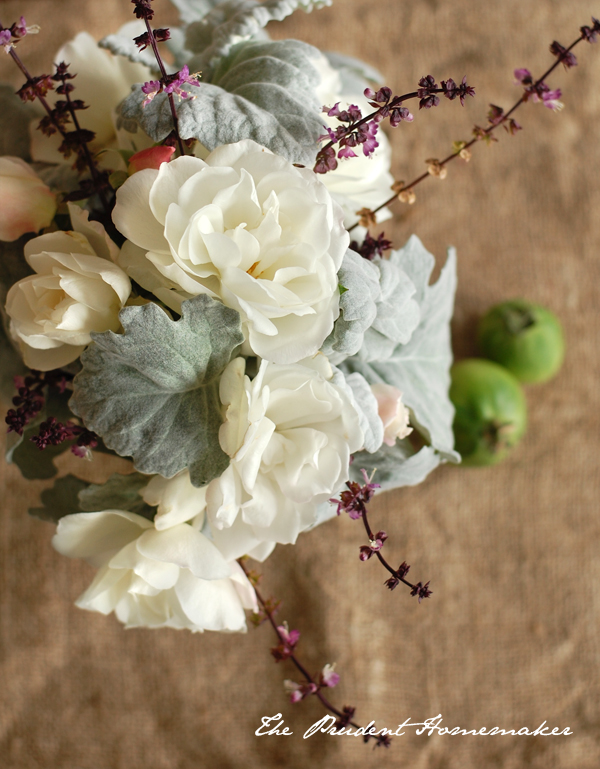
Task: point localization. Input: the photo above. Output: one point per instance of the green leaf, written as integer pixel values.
(420, 368)
(120, 492)
(228, 23)
(15, 117)
(152, 393)
(355, 74)
(263, 91)
(397, 465)
(60, 500)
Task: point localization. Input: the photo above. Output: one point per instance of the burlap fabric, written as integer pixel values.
(510, 636)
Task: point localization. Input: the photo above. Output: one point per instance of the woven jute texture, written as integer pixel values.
(510, 636)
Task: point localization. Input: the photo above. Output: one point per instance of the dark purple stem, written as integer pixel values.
(61, 131)
(382, 560)
(489, 130)
(309, 679)
(88, 156)
(163, 73)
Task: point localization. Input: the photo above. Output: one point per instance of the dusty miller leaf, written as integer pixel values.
(358, 308)
(398, 313)
(420, 369)
(228, 23)
(120, 492)
(263, 91)
(152, 393)
(377, 310)
(397, 465)
(60, 500)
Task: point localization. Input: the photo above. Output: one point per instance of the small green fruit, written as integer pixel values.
(491, 413)
(525, 338)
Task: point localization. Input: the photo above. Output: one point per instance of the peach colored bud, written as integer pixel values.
(153, 157)
(392, 412)
(26, 203)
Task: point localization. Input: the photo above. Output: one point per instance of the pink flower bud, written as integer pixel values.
(153, 157)
(392, 412)
(26, 203)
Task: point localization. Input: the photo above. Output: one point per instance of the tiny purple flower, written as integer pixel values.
(329, 677)
(523, 77)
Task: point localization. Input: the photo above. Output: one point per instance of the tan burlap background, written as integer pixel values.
(510, 637)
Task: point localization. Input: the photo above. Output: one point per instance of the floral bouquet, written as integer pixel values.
(194, 277)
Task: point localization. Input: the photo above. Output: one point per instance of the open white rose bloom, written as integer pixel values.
(204, 317)
(247, 227)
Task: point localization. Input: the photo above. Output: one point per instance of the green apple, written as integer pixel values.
(491, 413)
(525, 338)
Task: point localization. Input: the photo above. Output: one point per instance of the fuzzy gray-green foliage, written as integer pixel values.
(228, 23)
(398, 313)
(397, 465)
(152, 393)
(120, 492)
(420, 369)
(358, 306)
(263, 91)
(377, 310)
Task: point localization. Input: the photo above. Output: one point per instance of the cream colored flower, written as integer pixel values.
(26, 203)
(102, 82)
(77, 289)
(247, 227)
(392, 412)
(289, 433)
(175, 577)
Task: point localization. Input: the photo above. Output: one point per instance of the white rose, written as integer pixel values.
(102, 82)
(289, 433)
(171, 578)
(358, 182)
(26, 203)
(76, 290)
(179, 501)
(392, 412)
(245, 226)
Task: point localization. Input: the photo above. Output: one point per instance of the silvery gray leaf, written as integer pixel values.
(365, 403)
(396, 465)
(420, 369)
(358, 306)
(152, 392)
(263, 92)
(120, 492)
(228, 23)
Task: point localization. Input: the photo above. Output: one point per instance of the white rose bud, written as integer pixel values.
(26, 203)
(76, 290)
(392, 412)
